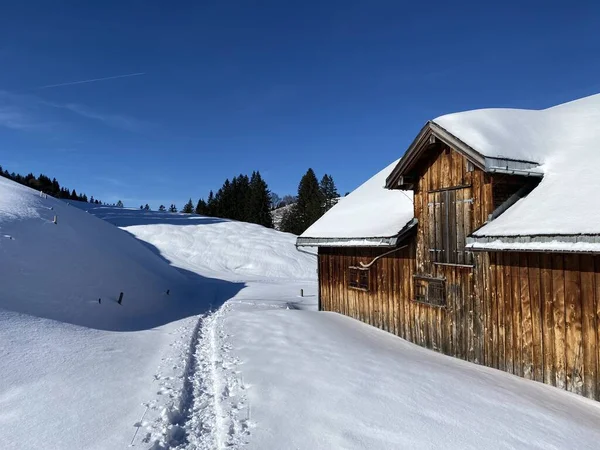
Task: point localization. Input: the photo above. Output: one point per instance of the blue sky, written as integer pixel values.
(276, 86)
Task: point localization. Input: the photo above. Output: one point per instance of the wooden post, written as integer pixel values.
(55, 221)
(301, 292)
(120, 298)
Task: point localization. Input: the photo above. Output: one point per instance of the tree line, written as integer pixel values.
(48, 186)
(243, 198)
(248, 199)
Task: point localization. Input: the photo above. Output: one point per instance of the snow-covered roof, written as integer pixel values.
(371, 215)
(565, 141)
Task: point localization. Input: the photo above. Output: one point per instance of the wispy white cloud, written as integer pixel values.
(114, 120)
(11, 117)
(111, 181)
(28, 112)
(92, 80)
(19, 113)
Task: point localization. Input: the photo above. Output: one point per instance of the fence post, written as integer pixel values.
(120, 298)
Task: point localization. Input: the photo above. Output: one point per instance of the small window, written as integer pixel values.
(430, 291)
(358, 278)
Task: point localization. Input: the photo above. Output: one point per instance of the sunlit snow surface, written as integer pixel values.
(265, 371)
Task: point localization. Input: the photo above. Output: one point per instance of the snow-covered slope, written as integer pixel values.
(213, 246)
(59, 271)
(277, 215)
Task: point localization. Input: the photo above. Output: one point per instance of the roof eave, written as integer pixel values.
(391, 241)
(347, 242)
(536, 243)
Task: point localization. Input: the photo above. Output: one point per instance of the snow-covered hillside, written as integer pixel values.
(277, 215)
(60, 271)
(213, 246)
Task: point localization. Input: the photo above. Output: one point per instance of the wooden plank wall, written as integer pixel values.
(390, 280)
(389, 303)
(548, 312)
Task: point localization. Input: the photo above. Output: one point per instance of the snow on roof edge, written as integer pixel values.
(369, 212)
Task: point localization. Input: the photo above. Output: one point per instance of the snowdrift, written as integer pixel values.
(212, 246)
(60, 271)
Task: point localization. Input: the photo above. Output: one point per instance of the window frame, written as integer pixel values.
(429, 297)
(358, 278)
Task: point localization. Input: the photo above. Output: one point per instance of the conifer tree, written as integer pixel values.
(173, 208)
(147, 207)
(201, 208)
(211, 205)
(329, 191)
(188, 208)
(119, 204)
(162, 208)
(309, 206)
(259, 203)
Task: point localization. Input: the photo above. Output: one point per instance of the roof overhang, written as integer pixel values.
(391, 241)
(561, 243)
(432, 133)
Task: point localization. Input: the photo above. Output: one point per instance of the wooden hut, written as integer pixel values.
(482, 242)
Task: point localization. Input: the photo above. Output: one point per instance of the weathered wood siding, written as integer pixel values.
(548, 311)
(534, 315)
(385, 305)
(461, 321)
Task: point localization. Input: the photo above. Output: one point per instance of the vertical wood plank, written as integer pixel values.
(533, 260)
(467, 310)
(498, 287)
(558, 289)
(573, 324)
(588, 326)
(548, 319)
(487, 314)
(451, 215)
(517, 326)
(597, 317)
(476, 281)
(468, 281)
(402, 275)
(460, 226)
(527, 329)
(509, 348)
